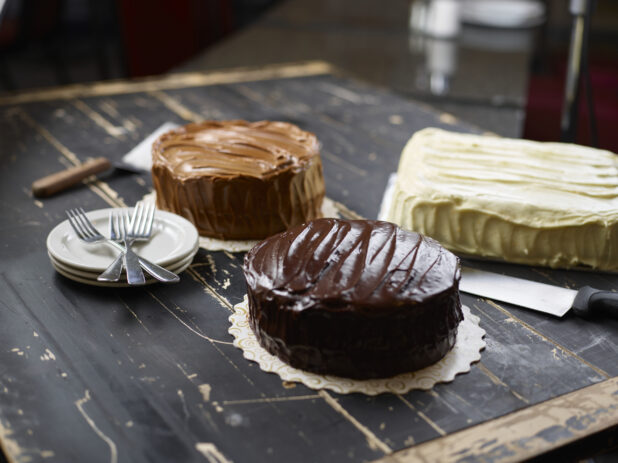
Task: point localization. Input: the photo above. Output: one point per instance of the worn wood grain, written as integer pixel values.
(182, 80)
(149, 374)
(527, 433)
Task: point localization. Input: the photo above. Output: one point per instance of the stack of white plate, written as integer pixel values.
(173, 245)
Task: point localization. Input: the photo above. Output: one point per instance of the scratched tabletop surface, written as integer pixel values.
(150, 374)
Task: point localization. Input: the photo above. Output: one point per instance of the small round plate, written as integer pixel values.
(93, 275)
(111, 284)
(173, 238)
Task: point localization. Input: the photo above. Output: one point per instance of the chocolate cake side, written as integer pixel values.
(239, 180)
(359, 299)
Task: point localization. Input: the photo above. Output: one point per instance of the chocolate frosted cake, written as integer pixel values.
(239, 180)
(353, 298)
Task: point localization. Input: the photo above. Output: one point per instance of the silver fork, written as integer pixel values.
(135, 276)
(83, 228)
(114, 271)
(139, 227)
(118, 232)
(87, 232)
(141, 224)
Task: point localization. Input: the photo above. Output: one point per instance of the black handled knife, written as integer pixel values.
(554, 300)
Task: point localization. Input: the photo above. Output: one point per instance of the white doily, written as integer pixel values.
(466, 351)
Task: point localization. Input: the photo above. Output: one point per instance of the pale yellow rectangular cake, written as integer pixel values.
(551, 204)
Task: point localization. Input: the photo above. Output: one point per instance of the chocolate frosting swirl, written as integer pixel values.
(359, 298)
(358, 263)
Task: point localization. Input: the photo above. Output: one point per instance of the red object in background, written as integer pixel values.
(545, 100)
(160, 34)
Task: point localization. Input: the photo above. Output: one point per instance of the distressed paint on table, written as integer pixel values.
(525, 433)
(149, 374)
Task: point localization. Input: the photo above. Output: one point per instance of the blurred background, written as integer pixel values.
(499, 64)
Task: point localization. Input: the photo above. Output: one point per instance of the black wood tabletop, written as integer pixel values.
(150, 374)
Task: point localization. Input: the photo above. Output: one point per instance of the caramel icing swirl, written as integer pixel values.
(239, 180)
(234, 148)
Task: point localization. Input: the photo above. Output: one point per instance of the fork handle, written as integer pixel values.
(113, 272)
(155, 270)
(135, 276)
(158, 272)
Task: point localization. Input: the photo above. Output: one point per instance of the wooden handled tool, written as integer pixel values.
(62, 180)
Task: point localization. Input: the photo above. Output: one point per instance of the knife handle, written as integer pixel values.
(62, 180)
(590, 302)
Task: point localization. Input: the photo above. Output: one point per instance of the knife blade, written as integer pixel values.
(542, 297)
(59, 181)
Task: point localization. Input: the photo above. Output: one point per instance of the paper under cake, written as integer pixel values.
(551, 204)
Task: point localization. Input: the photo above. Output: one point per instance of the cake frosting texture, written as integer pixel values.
(239, 180)
(353, 298)
(551, 204)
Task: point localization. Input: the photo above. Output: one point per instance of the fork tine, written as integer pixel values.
(79, 218)
(75, 225)
(145, 219)
(93, 231)
(120, 225)
(113, 223)
(144, 222)
(127, 225)
(149, 219)
(112, 232)
(137, 219)
(78, 215)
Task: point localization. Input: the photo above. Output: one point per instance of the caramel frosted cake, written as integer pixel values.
(239, 180)
(551, 204)
(353, 298)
